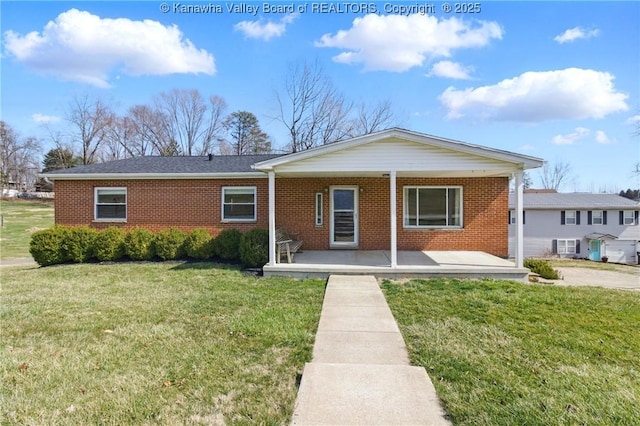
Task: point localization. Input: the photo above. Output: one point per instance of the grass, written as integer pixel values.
(21, 219)
(601, 266)
(152, 343)
(505, 353)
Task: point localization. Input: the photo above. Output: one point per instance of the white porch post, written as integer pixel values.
(394, 233)
(519, 242)
(272, 218)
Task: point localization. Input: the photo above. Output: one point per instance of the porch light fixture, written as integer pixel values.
(326, 189)
(385, 175)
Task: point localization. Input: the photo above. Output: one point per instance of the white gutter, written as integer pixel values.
(165, 176)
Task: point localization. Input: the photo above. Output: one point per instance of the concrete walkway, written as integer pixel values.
(360, 372)
(27, 261)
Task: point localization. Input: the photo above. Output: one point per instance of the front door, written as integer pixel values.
(344, 217)
(594, 250)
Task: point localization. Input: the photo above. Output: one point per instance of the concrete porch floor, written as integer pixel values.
(411, 264)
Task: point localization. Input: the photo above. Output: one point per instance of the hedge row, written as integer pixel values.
(62, 244)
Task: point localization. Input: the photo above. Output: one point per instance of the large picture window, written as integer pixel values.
(110, 204)
(239, 203)
(432, 207)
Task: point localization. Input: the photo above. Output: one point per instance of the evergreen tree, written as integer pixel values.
(246, 135)
(58, 159)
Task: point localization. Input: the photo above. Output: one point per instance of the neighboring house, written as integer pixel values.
(391, 190)
(578, 225)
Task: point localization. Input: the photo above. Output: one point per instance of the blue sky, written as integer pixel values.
(556, 80)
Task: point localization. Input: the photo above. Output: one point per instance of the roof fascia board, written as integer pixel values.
(524, 160)
(140, 176)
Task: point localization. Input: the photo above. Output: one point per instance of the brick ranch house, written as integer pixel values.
(391, 190)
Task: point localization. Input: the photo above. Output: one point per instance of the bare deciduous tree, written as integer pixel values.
(91, 120)
(192, 124)
(303, 89)
(556, 175)
(149, 133)
(119, 141)
(315, 113)
(18, 158)
(369, 120)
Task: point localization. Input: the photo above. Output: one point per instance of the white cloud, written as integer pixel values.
(571, 138)
(575, 34)
(633, 120)
(44, 119)
(602, 138)
(448, 69)
(79, 46)
(572, 93)
(398, 43)
(264, 30)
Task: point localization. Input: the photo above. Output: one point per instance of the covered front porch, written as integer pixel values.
(407, 204)
(410, 264)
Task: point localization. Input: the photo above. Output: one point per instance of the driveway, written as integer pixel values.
(597, 278)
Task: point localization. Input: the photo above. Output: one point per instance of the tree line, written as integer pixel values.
(184, 122)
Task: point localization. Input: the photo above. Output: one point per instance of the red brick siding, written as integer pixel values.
(484, 214)
(160, 204)
(295, 210)
(485, 211)
(190, 204)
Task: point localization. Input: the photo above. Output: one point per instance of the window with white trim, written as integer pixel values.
(432, 207)
(570, 217)
(597, 217)
(110, 204)
(566, 246)
(239, 203)
(628, 217)
(319, 208)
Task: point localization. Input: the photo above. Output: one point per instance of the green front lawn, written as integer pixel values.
(20, 219)
(505, 353)
(152, 343)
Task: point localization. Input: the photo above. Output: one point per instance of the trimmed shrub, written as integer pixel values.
(169, 244)
(46, 246)
(227, 244)
(254, 248)
(79, 244)
(199, 244)
(139, 244)
(541, 267)
(109, 244)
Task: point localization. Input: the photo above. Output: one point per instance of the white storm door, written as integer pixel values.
(344, 217)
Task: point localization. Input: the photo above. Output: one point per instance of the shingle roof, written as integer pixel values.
(557, 201)
(169, 165)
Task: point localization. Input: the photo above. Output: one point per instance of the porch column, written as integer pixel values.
(394, 233)
(519, 242)
(272, 218)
